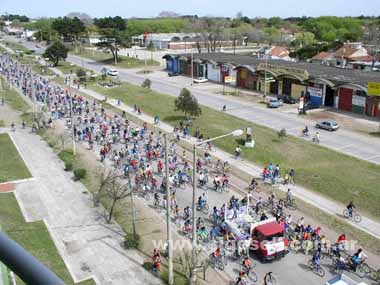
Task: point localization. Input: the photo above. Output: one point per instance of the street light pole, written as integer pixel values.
(168, 230)
(192, 67)
(265, 76)
(71, 116)
(194, 241)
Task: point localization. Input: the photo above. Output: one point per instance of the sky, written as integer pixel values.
(229, 8)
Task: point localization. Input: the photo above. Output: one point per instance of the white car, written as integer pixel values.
(200, 80)
(112, 72)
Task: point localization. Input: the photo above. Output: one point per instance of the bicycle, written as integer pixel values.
(355, 216)
(203, 209)
(269, 279)
(291, 204)
(317, 269)
(251, 274)
(216, 262)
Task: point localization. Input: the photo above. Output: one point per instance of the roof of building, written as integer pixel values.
(278, 51)
(367, 58)
(323, 55)
(315, 70)
(345, 51)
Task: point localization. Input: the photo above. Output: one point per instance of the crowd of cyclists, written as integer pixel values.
(138, 153)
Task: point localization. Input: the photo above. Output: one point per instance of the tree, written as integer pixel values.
(116, 190)
(56, 52)
(81, 74)
(69, 28)
(113, 31)
(190, 261)
(304, 39)
(187, 104)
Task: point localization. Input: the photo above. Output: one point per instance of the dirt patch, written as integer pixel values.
(349, 122)
(7, 187)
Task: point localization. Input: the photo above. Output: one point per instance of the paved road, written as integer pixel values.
(344, 141)
(88, 245)
(292, 269)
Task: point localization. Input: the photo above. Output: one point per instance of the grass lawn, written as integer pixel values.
(335, 175)
(12, 165)
(13, 98)
(34, 237)
(16, 46)
(123, 61)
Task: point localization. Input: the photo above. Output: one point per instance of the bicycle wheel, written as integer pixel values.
(357, 218)
(253, 276)
(320, 271)
(346, 214)
(220, 265)
(375, 275)
(270, 280)
(363, 270)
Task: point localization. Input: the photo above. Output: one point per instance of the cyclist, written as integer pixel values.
(305, 131)
(342, 240)
(289, 196)
(253, 184)
(246, 264)
(213, 232)
(350, 208)
(156, 199)
(237, 152)
(186, 213)
(224, 108)
(203, 233)
(316, 259)
(358, 258)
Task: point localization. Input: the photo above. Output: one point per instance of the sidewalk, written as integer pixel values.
(89, 247)
(333, 208)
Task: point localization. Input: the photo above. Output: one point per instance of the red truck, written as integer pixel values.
(268, 240)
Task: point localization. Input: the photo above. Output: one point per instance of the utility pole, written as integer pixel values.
(71, 116)
(115, 52)
(192, 67)
(2, 94)
(168, 230)
(133, 208)
(265, 76)
(194, 241)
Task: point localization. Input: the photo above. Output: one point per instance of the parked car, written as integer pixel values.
(200, 80)
(171, 74)
(288, 99)
(112, 72)
(274, 103)
(328, 125)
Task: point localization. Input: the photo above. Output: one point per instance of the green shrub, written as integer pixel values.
(130, 241)
(282, 134)
(68, 166)
(79, 174)
(146, 84)
(81, 73)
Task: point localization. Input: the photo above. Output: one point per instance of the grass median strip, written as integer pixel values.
(12, 165)
(13, 98)
(335, 175)
(106, 58)
(34, 237)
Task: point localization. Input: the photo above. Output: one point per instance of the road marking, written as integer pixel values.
(346, 146)
(373, 157)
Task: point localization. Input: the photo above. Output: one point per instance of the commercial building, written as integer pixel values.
(343, 89)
